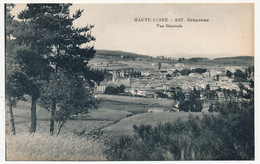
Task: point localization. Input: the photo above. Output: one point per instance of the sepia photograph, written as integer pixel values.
(129, 82)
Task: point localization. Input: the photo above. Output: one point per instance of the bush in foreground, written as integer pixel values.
(225, 135)
(38, 146)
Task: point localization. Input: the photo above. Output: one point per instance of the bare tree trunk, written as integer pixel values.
(33, 115)
(53, 110)
(193, 155)
(11, 115)
(182, 153)
(59, 127)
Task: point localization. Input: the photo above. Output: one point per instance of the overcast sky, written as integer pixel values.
(229, 31)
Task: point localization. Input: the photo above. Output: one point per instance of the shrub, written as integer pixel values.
(199, 70)
(193, 104)
(115, 90)
(225, 135)
(185, 72)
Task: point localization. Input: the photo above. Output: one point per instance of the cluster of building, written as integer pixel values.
(153, 79)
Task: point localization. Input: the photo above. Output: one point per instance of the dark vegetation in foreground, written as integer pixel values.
(224, 135)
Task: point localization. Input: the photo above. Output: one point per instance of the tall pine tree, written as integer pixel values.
(69, 55)
(15, 79)
(31, 47)
(48, 44)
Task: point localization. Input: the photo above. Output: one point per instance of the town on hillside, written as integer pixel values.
(179, 79)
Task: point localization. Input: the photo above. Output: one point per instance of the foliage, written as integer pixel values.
(207, 88)
(193, 106)
(175, 72)
(177, 93)
(226, 135)
(115, 90)
(229, 74)
(161, 94)
(61, 41)
(47, 43)
(159, 66)
(33, 39)
(129, 57)
(239, 116)
(71, 95)
(31, 46)
(211, 94)
(252, 83)
(198, 59)
(193, 103)
(96, 75)
(111, 90)
(230, 94)
(211, 108)
(199, 70)
(168, 76)
(135, 74)
(240, 76)
(249, 71)
(181, 60)
(185, 72)
(15, 79)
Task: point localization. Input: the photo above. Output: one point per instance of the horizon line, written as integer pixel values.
(189, 56)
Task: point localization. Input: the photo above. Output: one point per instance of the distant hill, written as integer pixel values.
(236, 58)
(118, 53)
(197, 59)
(131, 55)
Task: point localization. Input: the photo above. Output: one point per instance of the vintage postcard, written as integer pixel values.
(129, 81)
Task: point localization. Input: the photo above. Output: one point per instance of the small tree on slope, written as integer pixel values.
(71, 95)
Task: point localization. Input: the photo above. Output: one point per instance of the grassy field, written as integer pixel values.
(140, 64)
(122, 107)
(94, 120)
(135, 100)
(125, 126)
(41, 146)
(115, 117)
(134, 105)
(112, 108)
